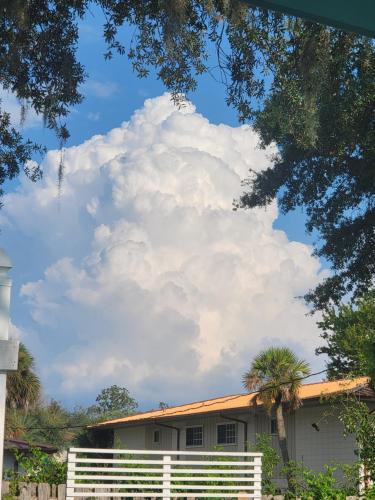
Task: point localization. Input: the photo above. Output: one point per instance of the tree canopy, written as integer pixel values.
(307, 88)
(114, 401)
(349, 335)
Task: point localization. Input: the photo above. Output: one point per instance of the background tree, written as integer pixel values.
(276, 373)
(23, 386)
(114, 401)
(349, 335)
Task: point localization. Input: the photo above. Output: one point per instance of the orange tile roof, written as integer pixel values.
(236, 402)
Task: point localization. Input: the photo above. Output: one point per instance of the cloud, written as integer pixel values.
(100, 89)
(143, 274)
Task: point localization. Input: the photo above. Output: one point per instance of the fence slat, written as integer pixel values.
(61, 492)
(117, 451)
(174, 471)
(44, 491)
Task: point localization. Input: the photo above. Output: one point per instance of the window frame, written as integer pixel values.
(235, 433)
(201, 426)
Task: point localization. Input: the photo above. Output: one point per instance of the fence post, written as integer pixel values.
(166, 477)
(70, 476)
(258, 478)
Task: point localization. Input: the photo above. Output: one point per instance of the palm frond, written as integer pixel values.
(276, 373)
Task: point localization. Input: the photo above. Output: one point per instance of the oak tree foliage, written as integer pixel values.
(349, 335)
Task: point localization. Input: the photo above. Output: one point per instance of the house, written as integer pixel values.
(314, 433)
(13, 445)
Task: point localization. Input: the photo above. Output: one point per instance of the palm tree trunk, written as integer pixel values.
(281, 434)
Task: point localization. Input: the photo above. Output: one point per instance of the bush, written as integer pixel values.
(270, 460)
(322, 485)
(37, 467)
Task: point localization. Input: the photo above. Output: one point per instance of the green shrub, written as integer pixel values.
(323, 485)
(270, 460)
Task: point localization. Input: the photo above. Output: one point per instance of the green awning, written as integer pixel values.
(349, 15)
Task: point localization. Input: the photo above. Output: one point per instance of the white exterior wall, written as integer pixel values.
(132, 438)
(315, 449)
(167, 441)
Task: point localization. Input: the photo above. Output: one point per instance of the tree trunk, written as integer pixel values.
(281, 434)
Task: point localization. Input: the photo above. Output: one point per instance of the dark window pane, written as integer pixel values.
(273, 426)
(194, 436)
(156, 436)
(226, 434)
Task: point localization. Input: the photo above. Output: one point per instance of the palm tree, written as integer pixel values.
(276, 373)
(23, 386)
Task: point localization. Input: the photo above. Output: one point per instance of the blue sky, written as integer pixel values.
(56, 246)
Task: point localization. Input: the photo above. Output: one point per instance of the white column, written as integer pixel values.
(5, 287)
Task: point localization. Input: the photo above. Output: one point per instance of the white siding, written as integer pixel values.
(132, 438)
(315, 449)
(166, 438)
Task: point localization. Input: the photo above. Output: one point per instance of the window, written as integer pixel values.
(273, 426)
(194, 436)
(226, 434)
(157, 436)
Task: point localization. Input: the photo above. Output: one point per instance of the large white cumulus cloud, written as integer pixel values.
(144, 275)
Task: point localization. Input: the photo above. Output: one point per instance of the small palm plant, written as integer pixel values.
(23, 386)
(277, 373)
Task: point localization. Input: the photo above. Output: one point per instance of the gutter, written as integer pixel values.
(171, 427)
(244, 426)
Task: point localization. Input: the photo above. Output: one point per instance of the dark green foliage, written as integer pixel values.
(359, 421)
(349, 334)
(23, 386)
(114, 402)
(37, 467)
(320, 113)
(38, 64)
(323, 485)
(47, 423)
(14, 152)
(270, 460)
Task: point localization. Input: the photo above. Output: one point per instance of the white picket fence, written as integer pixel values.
(98, 473)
